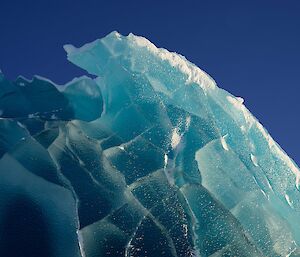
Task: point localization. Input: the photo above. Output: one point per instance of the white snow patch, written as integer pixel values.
(224, 143)
(69, 48)
(234, 101)
(166, 160)
(121, 147)
(194, 73)
(240, 99)
(287, 198)
(237, 102)
(175, 138)
(254, 160)
(187, 122)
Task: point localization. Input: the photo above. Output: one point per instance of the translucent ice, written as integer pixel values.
(151, 158)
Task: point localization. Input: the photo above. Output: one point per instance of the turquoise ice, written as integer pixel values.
(151, 158)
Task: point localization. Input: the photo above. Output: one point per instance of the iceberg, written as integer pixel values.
(150, 158)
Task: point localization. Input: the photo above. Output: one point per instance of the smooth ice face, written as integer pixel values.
(149, 159)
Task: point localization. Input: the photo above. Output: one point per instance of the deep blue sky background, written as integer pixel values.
(251, 48)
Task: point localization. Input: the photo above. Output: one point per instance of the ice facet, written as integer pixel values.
(151, 158)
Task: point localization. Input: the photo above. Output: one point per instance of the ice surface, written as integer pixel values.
(151, 158)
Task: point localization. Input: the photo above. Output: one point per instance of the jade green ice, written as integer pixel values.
(149, 159)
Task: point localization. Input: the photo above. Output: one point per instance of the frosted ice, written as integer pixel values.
(151, 158)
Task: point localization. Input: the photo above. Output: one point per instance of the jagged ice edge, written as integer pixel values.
(201, 78)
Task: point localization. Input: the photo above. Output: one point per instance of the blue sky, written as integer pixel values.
(251, 48)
